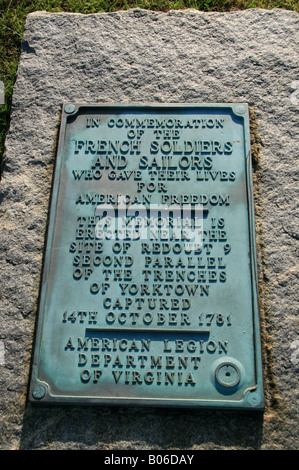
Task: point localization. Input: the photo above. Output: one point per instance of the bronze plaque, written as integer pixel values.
(149, 292)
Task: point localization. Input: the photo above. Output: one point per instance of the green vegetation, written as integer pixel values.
(13, 14)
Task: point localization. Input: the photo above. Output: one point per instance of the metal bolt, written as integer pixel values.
(254, 398)
(227, 374)
(240, 109)
(38, 392)
(69, 108)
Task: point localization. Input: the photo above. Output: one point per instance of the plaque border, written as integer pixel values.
(253, 398)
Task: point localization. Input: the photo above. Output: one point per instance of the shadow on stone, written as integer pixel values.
(139, 429)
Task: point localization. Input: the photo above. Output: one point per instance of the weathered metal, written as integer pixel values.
(149, 293)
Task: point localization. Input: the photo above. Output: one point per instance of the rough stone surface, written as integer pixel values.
(134, 56)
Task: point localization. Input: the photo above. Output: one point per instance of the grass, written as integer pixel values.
(13, 14)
